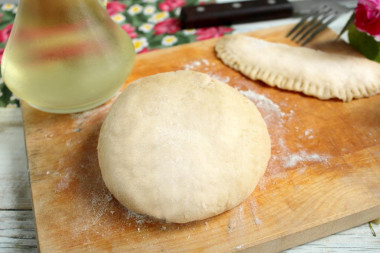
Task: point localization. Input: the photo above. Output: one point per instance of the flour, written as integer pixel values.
(49, 136)
(223, 79)
(64, 178)
(193, 64)
(236, 219)
(204, 65)
(83, 119)
(308, 131)
(303, 156)
(253, 208)
(139, 220)
(282, 157)
(274, 115)
(63, 183)
(205, 62)
(308, 134)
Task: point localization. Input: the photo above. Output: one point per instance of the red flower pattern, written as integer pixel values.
(211, 32)
(170, 26)
(130, 30)
(4, 33)
(146, 50)
(1, 54)
(115, 7)
(169, 5)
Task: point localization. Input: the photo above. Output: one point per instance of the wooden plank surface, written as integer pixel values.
(322, 177)
(15, 191)
(17, 227)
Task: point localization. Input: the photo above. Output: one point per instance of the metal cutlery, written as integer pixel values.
(310, 25)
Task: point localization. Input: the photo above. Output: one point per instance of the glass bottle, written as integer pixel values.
(66, 56)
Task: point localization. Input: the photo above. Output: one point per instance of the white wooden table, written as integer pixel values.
(17, 227)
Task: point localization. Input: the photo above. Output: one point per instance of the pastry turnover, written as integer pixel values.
(312, 72)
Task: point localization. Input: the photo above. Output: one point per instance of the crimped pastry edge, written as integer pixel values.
(272, 79)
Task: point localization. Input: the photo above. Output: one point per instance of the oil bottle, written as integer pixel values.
(66, 56)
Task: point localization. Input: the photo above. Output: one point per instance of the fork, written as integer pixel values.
(318, 20)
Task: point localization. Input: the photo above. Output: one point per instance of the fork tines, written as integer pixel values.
(311, 25)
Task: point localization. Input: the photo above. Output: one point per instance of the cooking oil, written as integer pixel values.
(66, 56)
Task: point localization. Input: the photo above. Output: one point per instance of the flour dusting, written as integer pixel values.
(204, 65)
(236, 218)
(205, 62)
(193, 64)
(308, 133)
(262, 101)
(139, 219)
(303, 156)
(206, 225)
(64, 179)
(84, 119)
(253, 208)
(223, 79)
(282, 157)
(273, 113)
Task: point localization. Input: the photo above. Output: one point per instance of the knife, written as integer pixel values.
(243, 12)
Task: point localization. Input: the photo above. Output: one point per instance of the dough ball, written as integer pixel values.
(181, 146)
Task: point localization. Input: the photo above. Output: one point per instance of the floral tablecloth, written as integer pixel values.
(151, 24)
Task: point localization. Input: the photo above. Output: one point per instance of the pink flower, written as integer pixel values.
(130, 30)
(211, 32)
(115, 7)
(170, 26)
(367, 17)
(1, 54)
(4, 33)
(169, 5)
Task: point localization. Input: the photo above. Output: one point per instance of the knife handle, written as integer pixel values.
(234, 13)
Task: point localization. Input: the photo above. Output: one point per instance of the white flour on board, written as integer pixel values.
(276, 120)
(199, 63)
(302, 156)
(274, 115)
(204, 66)
(253, 208)
(140, 220)
(83, 118)
(236, 218)
(308, 133)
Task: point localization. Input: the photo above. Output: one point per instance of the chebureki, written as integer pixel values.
(312, 72)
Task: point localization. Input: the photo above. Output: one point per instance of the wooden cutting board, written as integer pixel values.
(323, 176)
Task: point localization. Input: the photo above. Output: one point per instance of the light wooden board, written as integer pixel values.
(323, 175)
(18, 232)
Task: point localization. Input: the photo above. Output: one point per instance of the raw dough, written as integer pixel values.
(181, 146)
(312, 72)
